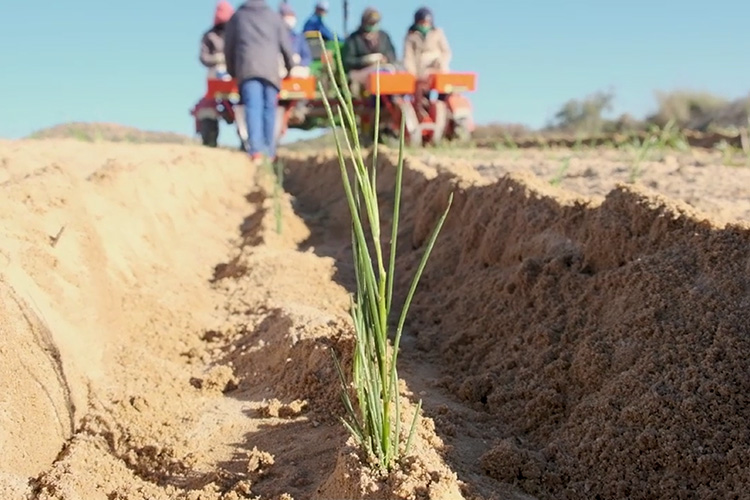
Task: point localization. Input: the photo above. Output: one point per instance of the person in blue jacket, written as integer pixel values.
(303, 56)
(316, 23)
(302, 59)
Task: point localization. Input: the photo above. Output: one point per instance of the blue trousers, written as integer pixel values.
(259, 98)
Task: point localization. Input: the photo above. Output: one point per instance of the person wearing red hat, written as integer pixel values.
(212, 42)
(212, 57)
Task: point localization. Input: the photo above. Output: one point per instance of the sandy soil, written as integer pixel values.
(573, 345)
(163, 341)
(702, 178)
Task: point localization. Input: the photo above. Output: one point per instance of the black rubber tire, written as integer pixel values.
(278, 132)
(209, 130)
(461, 133)
(441, 122)
(413, 130)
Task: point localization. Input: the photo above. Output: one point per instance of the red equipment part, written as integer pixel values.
(451, 83)
(449, 115)
(212, 109)
(391, 83)
(292, 88)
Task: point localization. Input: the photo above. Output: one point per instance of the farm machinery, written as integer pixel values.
(433, 109)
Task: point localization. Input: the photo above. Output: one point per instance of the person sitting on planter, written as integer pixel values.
(365, 49)
(302, 54)
(426, 48)
(426, 51)
(316, 23)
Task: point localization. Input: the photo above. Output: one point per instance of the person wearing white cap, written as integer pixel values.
(316, 23)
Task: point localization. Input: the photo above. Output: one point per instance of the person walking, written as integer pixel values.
(253, 39)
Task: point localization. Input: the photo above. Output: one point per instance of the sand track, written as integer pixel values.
(163, 341)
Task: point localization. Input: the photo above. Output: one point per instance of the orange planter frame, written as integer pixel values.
(392, 83)
(291, 88)
(448, 83)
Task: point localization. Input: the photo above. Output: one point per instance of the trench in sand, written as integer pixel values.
(565, 347)
(571, 348)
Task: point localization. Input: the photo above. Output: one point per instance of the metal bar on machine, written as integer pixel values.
(346, 17)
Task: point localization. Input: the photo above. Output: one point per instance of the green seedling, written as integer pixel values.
(376, 425)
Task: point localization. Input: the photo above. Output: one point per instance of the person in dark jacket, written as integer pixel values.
(365, 48)
(254, 38)
(212, 57)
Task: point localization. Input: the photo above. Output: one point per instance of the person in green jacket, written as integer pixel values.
(365, 48)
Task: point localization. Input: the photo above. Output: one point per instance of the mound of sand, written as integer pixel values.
(163, 341)
(112, 132)
(103, 270)
(582, 349)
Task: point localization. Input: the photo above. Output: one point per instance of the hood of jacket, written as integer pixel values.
(254, 4)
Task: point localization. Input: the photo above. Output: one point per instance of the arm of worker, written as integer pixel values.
(285, 44)
(410, 56)
(230, 45)
(349, 56)
(326, 33)
(445, 50)
(303, 49)
(389, 51)
(209, 57)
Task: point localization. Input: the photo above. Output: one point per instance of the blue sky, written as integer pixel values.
(136, 62)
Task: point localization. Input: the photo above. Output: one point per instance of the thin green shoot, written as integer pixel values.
(278, 187)
(560, 174)
(376, 424)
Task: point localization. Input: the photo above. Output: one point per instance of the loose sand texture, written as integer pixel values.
(706, 179)
(573, 346)
(163, 341)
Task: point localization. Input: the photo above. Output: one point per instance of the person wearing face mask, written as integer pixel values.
(302, 54)
(426, 51)
(316, 23)
(426, 48)
(365, 49)
(302, 60)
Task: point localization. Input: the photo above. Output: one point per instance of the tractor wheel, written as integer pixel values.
(366, 127)
(412, 129)
(461, 132)
(441, 121)
(240, 123)
(280, 125)
(209, 130)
